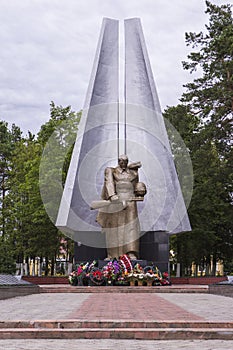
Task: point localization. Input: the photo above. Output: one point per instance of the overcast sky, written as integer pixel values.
(47, 49)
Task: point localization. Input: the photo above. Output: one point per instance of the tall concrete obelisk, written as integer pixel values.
(147, 139)
(97, 145)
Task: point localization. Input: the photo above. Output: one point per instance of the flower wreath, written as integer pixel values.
(96, 277)
(126, 263)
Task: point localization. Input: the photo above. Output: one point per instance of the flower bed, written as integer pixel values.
(117, 272)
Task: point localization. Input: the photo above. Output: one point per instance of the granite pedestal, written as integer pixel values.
(154, 248)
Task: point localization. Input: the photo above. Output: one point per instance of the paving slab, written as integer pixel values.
(40, 306)
(111, 315)
(210, 307)
(148, 306)
(113, 344)
(133, 306)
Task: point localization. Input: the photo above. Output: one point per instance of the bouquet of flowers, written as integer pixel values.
(165, 279)
(137, 274)
(111, 271)
(117, 272)
(75, 277)
(153, 275)
(80, 275)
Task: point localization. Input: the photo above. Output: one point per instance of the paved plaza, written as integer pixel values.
(187, 307)
(114, 344)
(118, 306)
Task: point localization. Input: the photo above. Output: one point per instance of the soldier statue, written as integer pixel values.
(118, 214)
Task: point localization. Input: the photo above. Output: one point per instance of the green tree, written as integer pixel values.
(29, 224)
(211, 95)
(57, 138)
(7, 260)
(17, 200)
(209, 101)
(8, 140)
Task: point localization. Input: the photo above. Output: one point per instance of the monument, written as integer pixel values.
(108, 129)
(118, 214)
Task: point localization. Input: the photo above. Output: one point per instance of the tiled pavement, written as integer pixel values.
(160, 306)
(117, 306)
(144, 307)
(114, 344)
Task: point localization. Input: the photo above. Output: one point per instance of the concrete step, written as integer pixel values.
(125, 289)
(76, 324)
(118, 333)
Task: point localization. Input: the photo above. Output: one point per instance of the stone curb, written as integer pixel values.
(118, 333)
(125, 289)
(76, 324)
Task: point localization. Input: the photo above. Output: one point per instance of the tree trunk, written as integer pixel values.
(52, 266)
(208, 265)
(213, 272)
(27, 270)
(196, 270)
(178, 270)
(33, 266)
(46, 266)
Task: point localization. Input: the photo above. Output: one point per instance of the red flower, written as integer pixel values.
(97, 274)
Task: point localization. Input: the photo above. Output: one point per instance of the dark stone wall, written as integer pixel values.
(83, 253)
(154, 247)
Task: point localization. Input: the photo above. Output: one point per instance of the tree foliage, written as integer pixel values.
(27, 230)
(207, 105)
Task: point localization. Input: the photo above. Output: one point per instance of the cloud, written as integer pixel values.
(48, 47)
